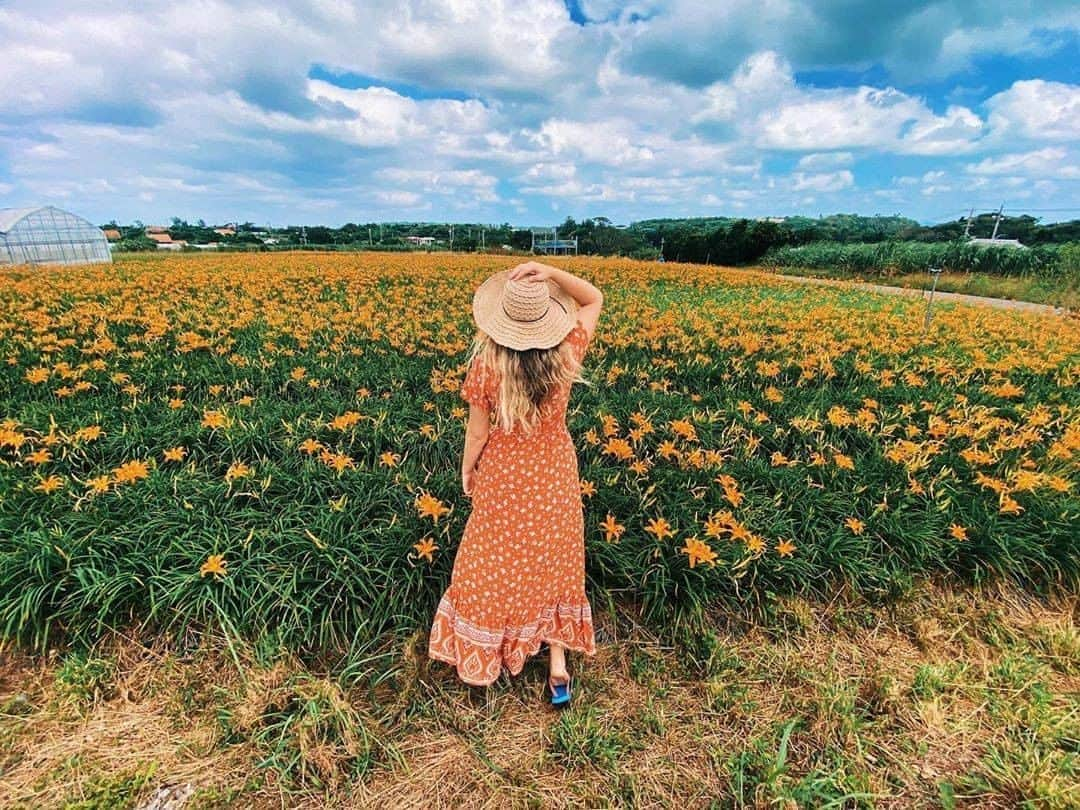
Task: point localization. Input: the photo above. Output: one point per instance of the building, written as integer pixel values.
(47, 235)
(226, 231)
(164, 241)
(112, 234)
(420, 240)
(984, 242)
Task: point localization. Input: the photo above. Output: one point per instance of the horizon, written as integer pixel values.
(519, 226)
(485, 113)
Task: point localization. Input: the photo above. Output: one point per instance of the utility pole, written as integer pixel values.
(967, 227)
(451, 237)
(997, 221)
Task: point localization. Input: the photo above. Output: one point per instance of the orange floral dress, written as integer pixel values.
(519, 574)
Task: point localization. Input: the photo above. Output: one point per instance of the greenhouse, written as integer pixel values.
(47, 235)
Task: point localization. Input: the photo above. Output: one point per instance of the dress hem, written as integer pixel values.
(461, 644)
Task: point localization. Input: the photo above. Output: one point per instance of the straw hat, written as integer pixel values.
(522, 314)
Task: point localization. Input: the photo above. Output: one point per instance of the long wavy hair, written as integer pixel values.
(526, 378)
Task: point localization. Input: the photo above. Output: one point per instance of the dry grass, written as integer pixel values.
(887, 703)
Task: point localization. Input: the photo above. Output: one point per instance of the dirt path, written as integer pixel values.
(958, 298)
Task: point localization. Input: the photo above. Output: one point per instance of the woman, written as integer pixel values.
(519, 574)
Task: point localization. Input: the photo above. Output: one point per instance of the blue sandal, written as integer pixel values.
(560, 692)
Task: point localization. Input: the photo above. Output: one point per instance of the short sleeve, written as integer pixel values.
(578, 339)
(474, 387)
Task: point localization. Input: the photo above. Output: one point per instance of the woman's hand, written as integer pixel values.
(530, 271)
(467, 477)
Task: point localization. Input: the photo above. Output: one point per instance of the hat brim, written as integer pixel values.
(544, 333)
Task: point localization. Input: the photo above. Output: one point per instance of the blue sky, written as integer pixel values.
(330, 111)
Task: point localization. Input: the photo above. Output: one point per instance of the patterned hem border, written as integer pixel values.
(494, 639)
(479, 654)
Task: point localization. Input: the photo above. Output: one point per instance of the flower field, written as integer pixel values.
(271, 444)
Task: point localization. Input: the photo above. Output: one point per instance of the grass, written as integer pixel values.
(946, 697)
(1057, 291)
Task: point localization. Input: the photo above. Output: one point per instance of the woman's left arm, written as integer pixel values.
(476, 436)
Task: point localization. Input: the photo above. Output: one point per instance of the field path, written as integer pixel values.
(959, 298)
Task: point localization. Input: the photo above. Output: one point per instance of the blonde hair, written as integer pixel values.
(526, 377)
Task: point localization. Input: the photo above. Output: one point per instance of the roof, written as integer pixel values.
(10, 217)
(112, 233)
(159, 237)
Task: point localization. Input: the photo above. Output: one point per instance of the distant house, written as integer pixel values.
(156, 229)
(112, 234)
(164, 241)
(984, 242)
(420, 240)
(225, 231)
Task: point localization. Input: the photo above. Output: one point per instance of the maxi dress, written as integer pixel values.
(519, 573)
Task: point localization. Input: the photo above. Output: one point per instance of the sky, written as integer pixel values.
(328, 111)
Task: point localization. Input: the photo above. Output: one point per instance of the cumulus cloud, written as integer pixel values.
(697, 43)
(763, 99)
(355, 111)
(825, 181)
(1053, 161)
(1037, 109)
(817, 161)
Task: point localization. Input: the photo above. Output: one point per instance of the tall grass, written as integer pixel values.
(908, 257)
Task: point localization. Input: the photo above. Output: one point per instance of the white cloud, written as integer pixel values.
(819, 161)
(1052, 161)
(477, 184)
(399, 199)
(764, 102)
(210, 108)
(825, 181)
(1036, 109)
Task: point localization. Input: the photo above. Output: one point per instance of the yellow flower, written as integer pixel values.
(339, 461)
(39, 456)
(215, 564)
(176, 403)
(175, 453)
(587, 487)
(89, 433)
(843, 462)
(213, 419)
(660, 527)
(784, 548)
(345, 420)
(612, 530)
(958, 532)
(430, 506)
(425, 548)
(856, 525)
(620, 448)
(389, 459)
(1009, 505)
(237, 469)
(131, 471)
(310, 446)
(50, 484)
(100, 483)
(699, 551)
